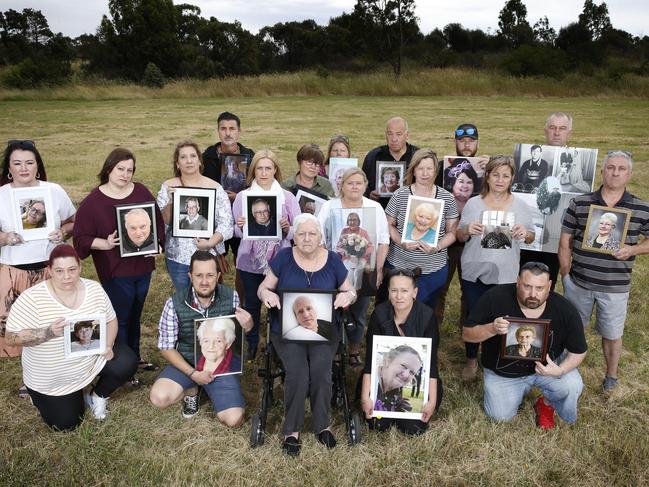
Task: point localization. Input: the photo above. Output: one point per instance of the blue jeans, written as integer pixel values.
(127, 295)
(179, 274)
(252, 305)
(430, 285)
(503, 395)
(472, 292)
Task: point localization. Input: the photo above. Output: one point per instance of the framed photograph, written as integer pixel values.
(337, 167)
(218, 345)
(352, 233)
(310, 201)
(389, 177)
(534, 163)
(463, 176)
(525, 339)
(606, 229)
(497, 233)
(33, 210)
(423, 220)
(84, 335)
(193, 212)
(137, 229)
(400, 376)
(234, 168)
(262, 217)
(307, 315)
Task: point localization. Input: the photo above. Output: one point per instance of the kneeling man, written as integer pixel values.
(507, 381)
(181, 380)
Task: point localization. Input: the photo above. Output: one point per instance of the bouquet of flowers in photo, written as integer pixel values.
(353, 245)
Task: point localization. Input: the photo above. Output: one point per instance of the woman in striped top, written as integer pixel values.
(433, 260)
(37, 321)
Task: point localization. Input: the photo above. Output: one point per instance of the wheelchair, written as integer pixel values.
(272, 369)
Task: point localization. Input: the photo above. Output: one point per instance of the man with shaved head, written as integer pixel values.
(396, 149)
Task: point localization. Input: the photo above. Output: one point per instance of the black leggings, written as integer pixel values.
(64, 413)
(406, 426)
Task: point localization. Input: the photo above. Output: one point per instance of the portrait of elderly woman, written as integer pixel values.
(423, 220)
(606, 229)
(307, 317)
(462, 181)
(524, 346)
(34, 214)
(389, 178)
(137, 231)
(393, 372)
(218, 349)
(356, 248)
(192, 220)
(84, 336)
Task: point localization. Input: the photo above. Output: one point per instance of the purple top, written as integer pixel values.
(96, 218)
(253, 255)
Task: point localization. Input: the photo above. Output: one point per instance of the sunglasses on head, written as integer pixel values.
(535, 265)
(27, 143)
(465, 131)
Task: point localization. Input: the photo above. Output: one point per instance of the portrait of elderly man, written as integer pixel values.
(217, 355)
(262, 223)
(193, 220)
(139, 235)
(310, 327)
(34, 215)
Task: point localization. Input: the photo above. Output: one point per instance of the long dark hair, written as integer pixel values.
(27, 145)
(115, 157)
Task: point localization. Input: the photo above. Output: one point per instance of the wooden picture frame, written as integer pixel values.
(606, 229)
(526, 339)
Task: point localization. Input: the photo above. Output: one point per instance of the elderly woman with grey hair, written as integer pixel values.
(604, 238)
(306, 266)
(216, 337)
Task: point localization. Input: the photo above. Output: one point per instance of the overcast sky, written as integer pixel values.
(75, 17)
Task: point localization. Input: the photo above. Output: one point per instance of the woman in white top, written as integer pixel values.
(188, 166)
(37, 322)
(354, 184)
(23, 263)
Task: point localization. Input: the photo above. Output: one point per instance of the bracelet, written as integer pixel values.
(191, 373)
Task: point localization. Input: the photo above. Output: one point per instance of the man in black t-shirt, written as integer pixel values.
(507, 381)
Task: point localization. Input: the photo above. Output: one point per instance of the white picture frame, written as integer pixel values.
(337, 167)
(381, 376)
(411, 224)
(73, 343)
(251, 229)
(30, 203)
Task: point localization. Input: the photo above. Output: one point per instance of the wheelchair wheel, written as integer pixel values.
(257, 434)
(354, 431)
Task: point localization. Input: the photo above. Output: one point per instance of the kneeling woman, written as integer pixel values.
(402, 315)
(307, 364)
(37, 322)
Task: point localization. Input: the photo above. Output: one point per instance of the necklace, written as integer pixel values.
(308, 278)
(58, 297)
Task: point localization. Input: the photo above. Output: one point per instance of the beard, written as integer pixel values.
(532, 303)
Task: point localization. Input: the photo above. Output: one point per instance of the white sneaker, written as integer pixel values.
(97, 405)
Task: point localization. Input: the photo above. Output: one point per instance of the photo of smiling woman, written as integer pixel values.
(217, 352)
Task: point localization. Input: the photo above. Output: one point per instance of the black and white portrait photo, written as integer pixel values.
(534, 163)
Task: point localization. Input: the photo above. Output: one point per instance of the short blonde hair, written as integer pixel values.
(416, 159)
(352, 171)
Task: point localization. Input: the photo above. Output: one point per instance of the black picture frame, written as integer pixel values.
(128, 240)
(217, 324)
(322, 303)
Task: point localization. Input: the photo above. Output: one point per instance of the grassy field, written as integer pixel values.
(138, 445)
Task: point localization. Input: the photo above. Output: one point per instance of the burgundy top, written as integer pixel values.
(96, 218)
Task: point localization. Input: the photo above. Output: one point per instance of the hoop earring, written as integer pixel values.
(9, 176)
(38, 175)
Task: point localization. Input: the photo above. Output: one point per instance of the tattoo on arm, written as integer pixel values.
(31, 338)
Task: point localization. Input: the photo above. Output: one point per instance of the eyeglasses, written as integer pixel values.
(27, 143)
(470, 131)
(535, 265)
(311, 163)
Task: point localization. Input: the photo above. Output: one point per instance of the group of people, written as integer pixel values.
(41, 284)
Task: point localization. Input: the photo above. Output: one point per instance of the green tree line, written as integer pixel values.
(152, 40)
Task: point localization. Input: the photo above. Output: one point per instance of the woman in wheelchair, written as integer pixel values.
(401, 315)
(307, 364)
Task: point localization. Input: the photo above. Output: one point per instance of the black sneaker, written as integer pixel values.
(327, 438)
(190, 406)
(291, 446)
